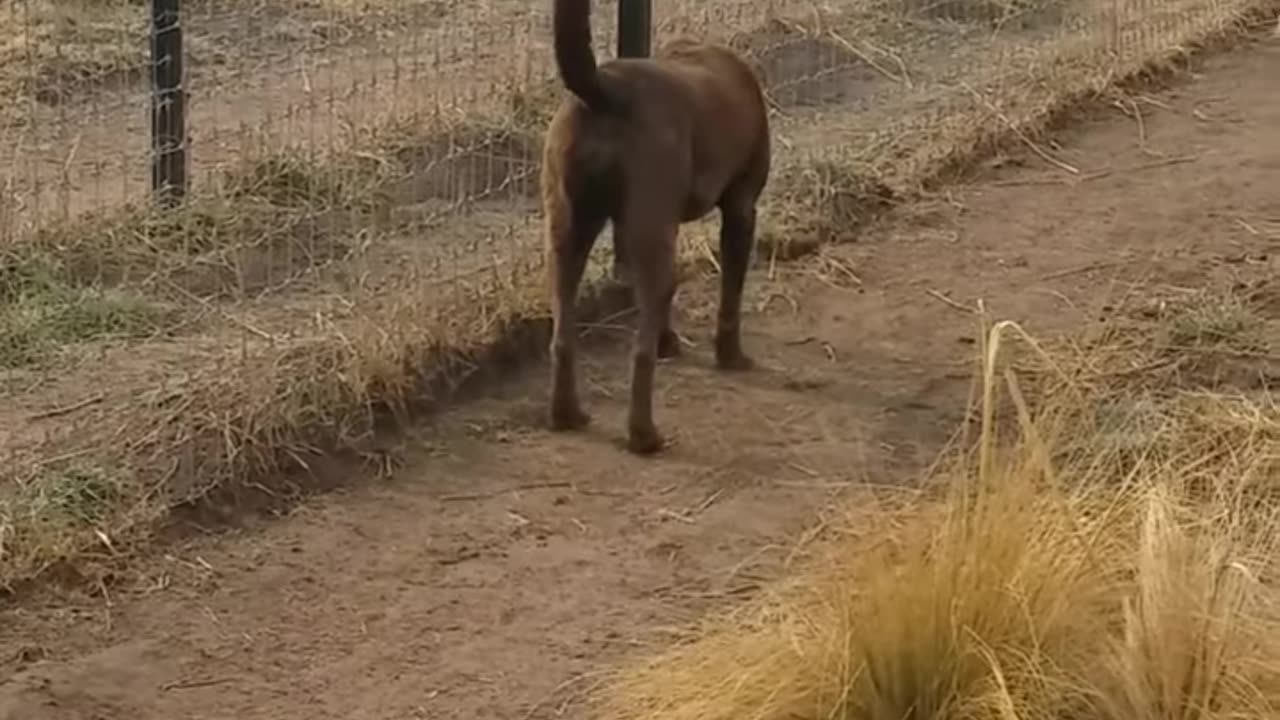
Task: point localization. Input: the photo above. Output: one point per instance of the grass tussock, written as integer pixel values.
(41, 313)
(1049, 573)
(57, 505)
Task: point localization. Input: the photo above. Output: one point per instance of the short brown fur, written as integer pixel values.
(648, 144)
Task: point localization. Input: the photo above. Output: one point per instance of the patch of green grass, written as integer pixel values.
(74, 496)
(40, 312)
(45, 517)
(1214, 320)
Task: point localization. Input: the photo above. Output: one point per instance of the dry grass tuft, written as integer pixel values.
(1048, 573)
(55, 507)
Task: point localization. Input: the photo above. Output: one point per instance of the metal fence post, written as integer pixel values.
(635, 20)
(168, 105)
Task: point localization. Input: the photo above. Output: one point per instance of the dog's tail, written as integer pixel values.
(575, 59)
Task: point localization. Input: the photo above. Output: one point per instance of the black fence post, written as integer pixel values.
(168, 105)
(635, 28)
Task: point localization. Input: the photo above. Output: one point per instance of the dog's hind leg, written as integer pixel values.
(668, 340)
(737, 236)
(651, 256)
(570, 236)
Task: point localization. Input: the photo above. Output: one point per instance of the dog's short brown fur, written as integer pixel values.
(648, 144)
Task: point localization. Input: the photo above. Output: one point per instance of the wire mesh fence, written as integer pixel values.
(312, 76)
(339, 152)
(312, 73)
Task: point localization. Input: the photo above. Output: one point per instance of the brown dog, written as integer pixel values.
(649, 144)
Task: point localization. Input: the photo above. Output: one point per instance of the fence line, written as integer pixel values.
(310, 71)
(312, 126)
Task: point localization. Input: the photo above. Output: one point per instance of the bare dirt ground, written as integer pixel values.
(502, 565)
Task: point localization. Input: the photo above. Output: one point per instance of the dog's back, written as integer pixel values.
(702, 97)
(721, 93)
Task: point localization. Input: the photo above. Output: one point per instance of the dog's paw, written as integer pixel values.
(645, 441)
(669, 345)
(735, 362)
(569, 418)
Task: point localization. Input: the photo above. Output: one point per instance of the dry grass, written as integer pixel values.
(248, 410)
(1050, 572)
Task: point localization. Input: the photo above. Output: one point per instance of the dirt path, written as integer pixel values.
(485, 577)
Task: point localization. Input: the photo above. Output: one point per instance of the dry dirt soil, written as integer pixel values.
(500, 566)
